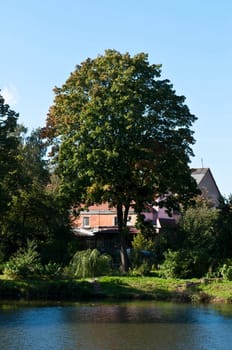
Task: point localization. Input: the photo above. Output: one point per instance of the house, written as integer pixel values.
(99, 218)
(98, 224)
(207, 184)
(209, 190)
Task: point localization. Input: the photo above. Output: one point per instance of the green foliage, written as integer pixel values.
(123, 287)
(36, 214)
(51, 269)
(141, 255)
(175, 265)
(224, 227)
(200, 234)
(226, 270)
(117, 122)
(143, 269)
(121, 134)
(35, 211)
(199, 249)
(25, 262)
(59, 250)
(9, 158)
(34, 166)
(90, 263)
(30, 210)
(199, 225)
(167, 238)
(141, 243)
(44, 289)
(184, 264)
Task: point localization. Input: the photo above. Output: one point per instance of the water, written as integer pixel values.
(125, 326)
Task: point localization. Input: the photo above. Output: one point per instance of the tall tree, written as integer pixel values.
(9, 160)
(198, 228)
(33, 162)
(224, 243)
(33, 210)
(122, 135)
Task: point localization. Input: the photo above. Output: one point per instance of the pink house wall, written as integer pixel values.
(101, 216)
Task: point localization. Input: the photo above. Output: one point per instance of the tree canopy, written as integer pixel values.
(121, 134)
(9, 160)
(29, 209)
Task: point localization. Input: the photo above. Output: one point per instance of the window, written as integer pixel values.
(86, 221)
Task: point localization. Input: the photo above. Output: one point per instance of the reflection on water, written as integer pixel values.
(143, 325)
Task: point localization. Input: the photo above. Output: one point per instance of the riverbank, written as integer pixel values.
(120, 288)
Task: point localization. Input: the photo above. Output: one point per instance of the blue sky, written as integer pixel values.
(42, 41)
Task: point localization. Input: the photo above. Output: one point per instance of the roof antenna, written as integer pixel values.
(202, 165)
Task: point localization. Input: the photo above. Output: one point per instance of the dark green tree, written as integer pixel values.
(39, 215)
(121, 134)
(200, 235)
(34, 166)
(9, 160)
(224, 228)
(33, 211)
(201, 243)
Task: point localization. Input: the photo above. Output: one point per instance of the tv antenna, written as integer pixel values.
(202, 164)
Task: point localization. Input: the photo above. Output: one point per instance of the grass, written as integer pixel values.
(30, 289)
(154, 288)
(118, 287)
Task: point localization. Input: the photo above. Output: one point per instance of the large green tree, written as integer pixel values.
(121, 134)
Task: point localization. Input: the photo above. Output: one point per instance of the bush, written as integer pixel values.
(90, 263)
(141, 255)
(184, 264)
(226, 272)
(175, 265)
(26, 261)
(142, 270)
(51, 269)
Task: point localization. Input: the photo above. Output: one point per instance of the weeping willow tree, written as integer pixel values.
(90, 263)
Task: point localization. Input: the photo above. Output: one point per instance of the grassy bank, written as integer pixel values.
(191, 291)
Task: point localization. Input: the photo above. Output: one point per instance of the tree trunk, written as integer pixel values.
(122, 219)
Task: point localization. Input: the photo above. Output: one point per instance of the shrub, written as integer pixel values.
(142, 270)
(141, 256)
(51, 269)
(90, 263)
(175, 265)
(226, 272)
(184, 264)
(140, 242)
(26, 261)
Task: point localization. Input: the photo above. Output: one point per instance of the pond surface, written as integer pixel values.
(124, 326)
